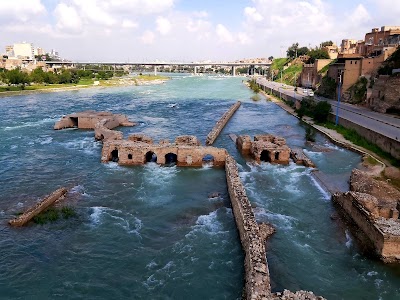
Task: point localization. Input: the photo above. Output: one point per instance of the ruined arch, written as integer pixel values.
(130, 156)
(114, 155)
(265, 156)
(171, 158)
(151, 157)
(277, 155)
(208, 159)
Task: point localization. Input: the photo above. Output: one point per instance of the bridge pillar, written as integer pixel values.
(233, 71)
(195, 70)
(155, 70)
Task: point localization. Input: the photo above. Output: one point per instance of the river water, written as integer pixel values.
(153, 232)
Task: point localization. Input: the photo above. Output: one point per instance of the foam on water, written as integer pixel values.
(87, 145)
(326, 195)
(32, 123)
(116, 217)
(79, 189)
(349, 240)
(283, 222)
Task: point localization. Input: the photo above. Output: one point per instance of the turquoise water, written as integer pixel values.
(153, 232)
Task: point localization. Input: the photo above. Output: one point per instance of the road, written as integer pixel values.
(384, 124)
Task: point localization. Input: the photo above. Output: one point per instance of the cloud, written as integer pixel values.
(360, 15)
(128, 24)
(147, 37)
(139, 7)
(95, 12)
(224, 34)
(163, 25)
(67, 18)
(21, 10)
(252, 14)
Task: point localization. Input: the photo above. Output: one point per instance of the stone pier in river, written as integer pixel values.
(102, 123)
(214, 133)
(139, 149)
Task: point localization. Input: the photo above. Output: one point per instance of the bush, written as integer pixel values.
(310, 134)
(321, 111)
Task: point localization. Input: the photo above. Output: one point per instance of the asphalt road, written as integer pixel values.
(384, 124)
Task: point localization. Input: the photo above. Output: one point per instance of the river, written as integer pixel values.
(153, 232)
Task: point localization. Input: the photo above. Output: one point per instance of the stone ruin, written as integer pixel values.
(186, 150)
(373, 207)
(267, 147)
(139, 149)
(270, 148)
(39, 207)
(102, 123)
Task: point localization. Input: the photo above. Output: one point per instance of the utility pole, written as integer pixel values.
(338, 99)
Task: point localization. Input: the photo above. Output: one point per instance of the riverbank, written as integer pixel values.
(114, 82)
(372, 163)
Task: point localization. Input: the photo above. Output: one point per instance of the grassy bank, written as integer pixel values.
(352, 136)
(85, 82)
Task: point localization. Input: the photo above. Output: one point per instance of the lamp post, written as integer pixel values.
(338, 99)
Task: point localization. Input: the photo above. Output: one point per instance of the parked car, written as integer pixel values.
(311, 93)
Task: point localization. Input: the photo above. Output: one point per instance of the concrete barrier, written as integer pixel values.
(214, 133)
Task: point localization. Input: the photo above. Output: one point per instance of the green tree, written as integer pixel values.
(16, 76)
(327, 43)
(65, 76)
(291, 52)
(321, 111)
(37, 75)
(317, 54)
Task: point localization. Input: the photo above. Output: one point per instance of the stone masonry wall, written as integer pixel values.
(257, 284)
(38, 208)
(212, 136)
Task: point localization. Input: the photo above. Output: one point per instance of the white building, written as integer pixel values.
(24, 51)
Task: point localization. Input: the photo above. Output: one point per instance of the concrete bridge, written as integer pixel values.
(195, 65)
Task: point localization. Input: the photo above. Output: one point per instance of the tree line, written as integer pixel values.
(318, 52)
(62, 76)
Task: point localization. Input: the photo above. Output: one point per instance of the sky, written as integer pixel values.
(187, 30)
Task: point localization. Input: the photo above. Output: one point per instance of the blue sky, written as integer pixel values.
(190, 30)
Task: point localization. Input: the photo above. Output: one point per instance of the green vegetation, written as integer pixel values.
(326, 68)
(317, 54)
(393, 62)
(279, 63)
(256, 97)
(294, 51)
(327, 88)
(310, 134)
(151, 77)
(319, 111)
(355, 138)
(17, 80)
(358, 91)
(290, 74)
(52, 214)
(254, 86)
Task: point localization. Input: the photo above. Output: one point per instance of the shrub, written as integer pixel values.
(321, 111)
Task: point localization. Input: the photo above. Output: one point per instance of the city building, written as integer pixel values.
(24, 51)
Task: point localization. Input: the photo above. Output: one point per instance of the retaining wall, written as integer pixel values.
(214, 133)
(387, 144)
